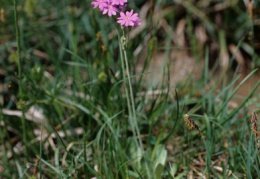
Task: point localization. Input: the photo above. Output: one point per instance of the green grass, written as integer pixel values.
(68, 70)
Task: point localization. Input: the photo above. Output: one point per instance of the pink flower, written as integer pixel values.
(110, 9)
(119, 2)
(99, 4)
(129, 19)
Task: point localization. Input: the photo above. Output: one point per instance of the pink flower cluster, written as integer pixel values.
(116, 7)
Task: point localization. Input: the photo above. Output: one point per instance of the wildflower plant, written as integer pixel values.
(116, 8)
(125, 19)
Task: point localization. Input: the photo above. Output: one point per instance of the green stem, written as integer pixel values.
(129, 91)
(19, 59)
(126, 89)
(18, 41)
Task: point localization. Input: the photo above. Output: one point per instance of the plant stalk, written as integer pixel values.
(129, 91)
(18, 43)
(18, 61)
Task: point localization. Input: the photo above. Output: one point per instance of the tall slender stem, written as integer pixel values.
(129, 91)
(18, 41)
(19, 59)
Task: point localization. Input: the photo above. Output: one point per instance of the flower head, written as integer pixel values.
(129, 19)
(113, 7)
(99, 4)
(119, 2)
(110, 9)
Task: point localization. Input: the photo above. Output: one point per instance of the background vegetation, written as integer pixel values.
(64, 115)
